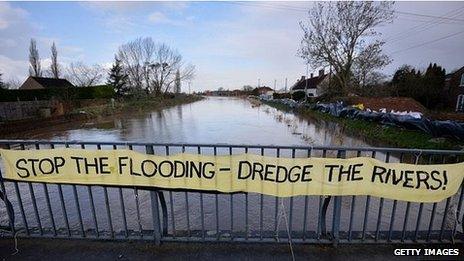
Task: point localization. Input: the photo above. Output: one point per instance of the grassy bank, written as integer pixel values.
(376, 133)
(136, 105)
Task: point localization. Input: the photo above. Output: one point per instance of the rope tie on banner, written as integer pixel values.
(283, 213)
(417, 157)
(15, 238)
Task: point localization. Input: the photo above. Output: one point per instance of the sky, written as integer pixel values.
(231, 44)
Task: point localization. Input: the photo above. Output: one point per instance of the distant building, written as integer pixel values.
(34, 83)
(263, 91)
(238, 93)
(454, 89)
(311, 85)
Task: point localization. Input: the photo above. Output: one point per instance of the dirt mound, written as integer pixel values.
(454, 116)
(389, 103)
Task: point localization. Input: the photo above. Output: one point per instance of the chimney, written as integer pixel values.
(302, 78)
(321, 72)
(311, 75)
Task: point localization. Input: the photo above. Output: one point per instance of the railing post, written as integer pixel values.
(154, 207)
(337, 209)
(8, 206)
(155, 214)
(336, 220)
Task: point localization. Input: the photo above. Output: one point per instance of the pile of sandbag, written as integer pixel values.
(406, 120)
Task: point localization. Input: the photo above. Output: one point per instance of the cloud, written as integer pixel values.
(116, 16)
(175, 5)
(157, 17)
(160, 18)
(252, 43)
(130, 6)
(119, 6)
(7, 43)
(13, 68)
(15, 31)
(123, 17)
(9, 15)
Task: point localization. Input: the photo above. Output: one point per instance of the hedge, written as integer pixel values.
(281, 95)
(298, 95)
(94, 92)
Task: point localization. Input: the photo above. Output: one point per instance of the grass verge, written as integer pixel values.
(136, 105)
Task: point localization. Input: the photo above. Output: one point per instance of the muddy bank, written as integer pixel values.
(95, 113)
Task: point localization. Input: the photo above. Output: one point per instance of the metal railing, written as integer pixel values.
(106, 212)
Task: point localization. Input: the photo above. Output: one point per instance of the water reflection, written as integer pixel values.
(212, 120)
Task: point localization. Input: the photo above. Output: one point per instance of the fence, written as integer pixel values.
(20, 110)
(104, 212)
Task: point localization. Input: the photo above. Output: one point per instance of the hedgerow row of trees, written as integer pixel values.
(426, 88)
(141, 66)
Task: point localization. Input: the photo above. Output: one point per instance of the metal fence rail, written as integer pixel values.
(105, 212)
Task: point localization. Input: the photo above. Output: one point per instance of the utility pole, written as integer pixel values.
(259, 82)
(306, 84)
(189, 86)
(285, 84)
(275, 82)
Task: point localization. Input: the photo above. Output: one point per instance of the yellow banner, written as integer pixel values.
(282, 177)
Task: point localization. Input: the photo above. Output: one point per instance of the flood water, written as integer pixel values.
(213, 120)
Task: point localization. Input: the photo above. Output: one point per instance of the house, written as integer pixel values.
(311, 85)
(263, 91)
(34, 83)
(454, 89)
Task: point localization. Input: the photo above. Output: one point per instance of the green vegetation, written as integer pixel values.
(426, 88)
(136, 105)
(377, 133)
(94, 92)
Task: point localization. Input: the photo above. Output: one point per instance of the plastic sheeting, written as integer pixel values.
(450, 129)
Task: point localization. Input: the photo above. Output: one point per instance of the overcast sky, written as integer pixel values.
(231, 44)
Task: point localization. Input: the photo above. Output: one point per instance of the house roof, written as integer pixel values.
(264, 89)
(312, 82)
(49, 83)
(453, 73)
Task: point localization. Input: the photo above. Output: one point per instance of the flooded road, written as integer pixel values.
(213, 120)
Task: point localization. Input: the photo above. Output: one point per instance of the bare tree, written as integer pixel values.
(34, 60)
(54, 66)
(166, 62)
(366, 64)
(339, 34)
(135, 56)
(2, 84)
(153, 66)
(247, 88)
(85, 76)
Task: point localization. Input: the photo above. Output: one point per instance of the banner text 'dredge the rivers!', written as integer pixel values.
(281, 177)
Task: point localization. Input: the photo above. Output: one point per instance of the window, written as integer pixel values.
(462, 80)
(460, 103)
